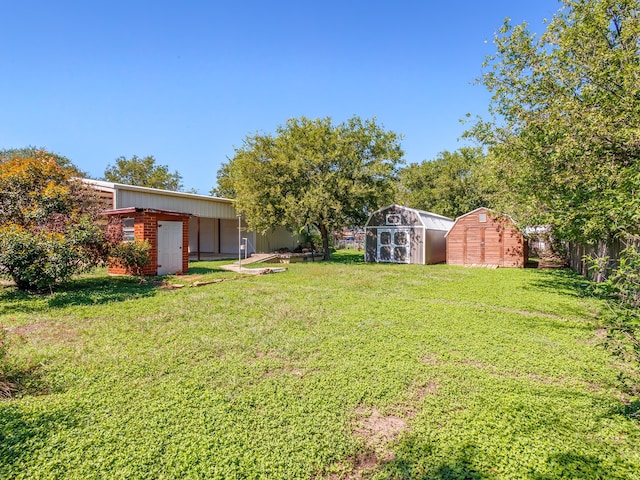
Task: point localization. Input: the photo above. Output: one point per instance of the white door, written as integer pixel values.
(394, 245)
(169, 247)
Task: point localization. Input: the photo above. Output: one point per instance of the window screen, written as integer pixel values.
(128, 234)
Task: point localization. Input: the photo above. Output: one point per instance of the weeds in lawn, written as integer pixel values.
(332, 370)
(6, 386)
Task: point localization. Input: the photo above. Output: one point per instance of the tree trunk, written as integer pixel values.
(325, 241)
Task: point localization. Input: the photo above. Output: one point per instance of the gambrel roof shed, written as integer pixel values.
(485, 237)
(399, 234)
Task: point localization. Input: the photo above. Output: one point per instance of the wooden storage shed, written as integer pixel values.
(166, 231)
(400, 234)
(485, 237)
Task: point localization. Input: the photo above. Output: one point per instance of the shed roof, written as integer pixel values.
(488, 210)
(126, 210)
(431, 221)
(112, 186)
(133, 196)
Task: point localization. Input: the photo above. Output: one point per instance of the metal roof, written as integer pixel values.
(127, 196)
(431, 221)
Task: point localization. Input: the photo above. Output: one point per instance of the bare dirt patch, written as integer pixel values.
(377, 429)
(378, 432)
(46, 332)
(431, 359)
(425, 390)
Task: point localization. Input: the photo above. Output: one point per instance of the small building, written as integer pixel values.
(400, 234)
(485, 237)
(213, 221)
(166, 231)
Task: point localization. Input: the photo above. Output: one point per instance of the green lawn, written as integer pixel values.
(332, 370)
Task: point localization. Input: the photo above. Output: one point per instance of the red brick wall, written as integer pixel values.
(146, 228)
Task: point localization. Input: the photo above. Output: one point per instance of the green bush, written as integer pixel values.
(6, 387)
(48, 227)
(39, 260)
(132, 255)
(621, 284)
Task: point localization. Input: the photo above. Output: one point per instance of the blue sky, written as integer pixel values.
(187, 81)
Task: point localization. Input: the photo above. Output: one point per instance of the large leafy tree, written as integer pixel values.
(449, 185)
(313, 173)
(564, 136)
(32, 152)
(47, 222)
(143, 172)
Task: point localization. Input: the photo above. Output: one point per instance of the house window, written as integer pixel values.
(393, 219)
(482, 218)
(128, 234)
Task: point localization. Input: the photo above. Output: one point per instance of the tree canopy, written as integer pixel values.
(47, 222)
(564, 136)
(32, 152)
(313, 173)
(448, 185)
(143, 172)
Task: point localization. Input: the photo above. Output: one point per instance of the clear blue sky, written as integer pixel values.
(187, 81)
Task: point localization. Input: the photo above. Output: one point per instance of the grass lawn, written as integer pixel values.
(334, 370)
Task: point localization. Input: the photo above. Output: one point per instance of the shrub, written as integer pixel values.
(132, 255)
(41, 259)
(6, 387)
(621, 284)
(48, 230)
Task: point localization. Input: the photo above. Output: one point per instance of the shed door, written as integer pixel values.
(494, 246)
(474, 245)
(394, 245)
(169, 247)
(483, 245)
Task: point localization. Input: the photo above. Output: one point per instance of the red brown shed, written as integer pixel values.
(166, 231)
(485, 237)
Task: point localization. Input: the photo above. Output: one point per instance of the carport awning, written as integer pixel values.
(120, 211)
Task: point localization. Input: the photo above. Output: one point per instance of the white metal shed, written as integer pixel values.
(399, 234)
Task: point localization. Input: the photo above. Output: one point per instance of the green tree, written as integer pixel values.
(449, 185)
(313, 173)
(224, 187)
(143, 172)
(47, 222)
(564, 135)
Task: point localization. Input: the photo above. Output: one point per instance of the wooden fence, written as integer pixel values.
(609, 249)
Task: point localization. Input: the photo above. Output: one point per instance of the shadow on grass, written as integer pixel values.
(82, 291)
(22, 434)
(574, 465)
(204, 269)
(563, 280)
(571, 283)
(459, 466)
(347, 257)
(630, 410)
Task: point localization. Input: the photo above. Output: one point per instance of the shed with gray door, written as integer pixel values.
(398, 234)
